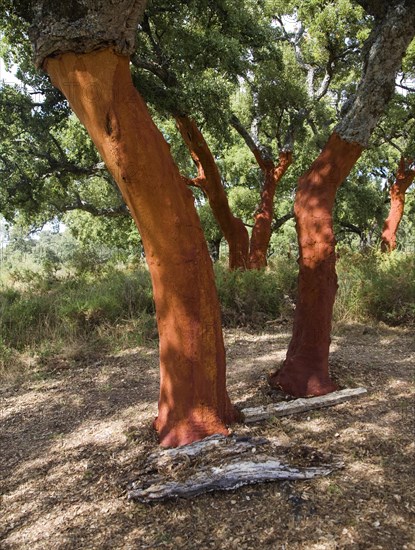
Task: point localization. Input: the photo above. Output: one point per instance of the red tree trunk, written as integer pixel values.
(262, 230)
(193, 399)
(210, 182)
(305, 371)
(404, 177)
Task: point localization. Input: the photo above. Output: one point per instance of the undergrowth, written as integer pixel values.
(114, 309)
(376, 287)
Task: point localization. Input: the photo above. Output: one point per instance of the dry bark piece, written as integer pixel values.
(221, 463)
(256, 414)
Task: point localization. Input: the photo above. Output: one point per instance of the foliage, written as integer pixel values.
(48, 164)
(76, 308)
(248, 297)
(376, 287)
(268, 62)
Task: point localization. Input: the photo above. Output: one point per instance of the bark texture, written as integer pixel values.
(224, 463)
(84, 25)
(305, 371)
(193, 399)
(383, 52)
(262, 230)
(404, 177)
(297, 406)
(210, 182)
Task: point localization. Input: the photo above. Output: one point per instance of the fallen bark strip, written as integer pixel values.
(224, 478)
(256, 414)
(217, 443)
(220, 463)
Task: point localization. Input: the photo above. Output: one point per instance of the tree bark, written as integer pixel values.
(210, 182)
(305, 371)
(193, 399)
(223, 463)
(404, 177)
(262, 230)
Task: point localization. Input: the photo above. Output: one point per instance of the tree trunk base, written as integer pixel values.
(300, 380)
(198, 425)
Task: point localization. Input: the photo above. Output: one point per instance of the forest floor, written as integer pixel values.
(76, 431)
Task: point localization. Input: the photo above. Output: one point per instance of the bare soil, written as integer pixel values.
(76, 431)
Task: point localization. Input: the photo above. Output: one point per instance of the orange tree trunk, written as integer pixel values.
(262, 230)
(305, 370)
(210, 182)
(404, 177)
(193, 399)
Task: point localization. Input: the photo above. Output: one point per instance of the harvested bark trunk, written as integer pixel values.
(209, 180)
(193, 400)
(305, 371)
(257, 414)
(261, 233)
(262, 230)
(224, 463)
(404, 177)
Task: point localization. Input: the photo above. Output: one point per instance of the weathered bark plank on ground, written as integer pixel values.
(221, 463)
(256, 414)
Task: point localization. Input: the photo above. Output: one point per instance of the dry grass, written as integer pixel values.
(73, 436)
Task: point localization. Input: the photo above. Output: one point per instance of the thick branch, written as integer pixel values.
(383, 58)
(262, 156)
(279, 222)
(209, 180)
(80, 204)
(351, 228)
(56, 29)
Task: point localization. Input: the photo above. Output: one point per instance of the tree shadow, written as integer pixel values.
(72, 441)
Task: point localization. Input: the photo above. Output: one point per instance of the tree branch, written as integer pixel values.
(279, 222)
(262, 156)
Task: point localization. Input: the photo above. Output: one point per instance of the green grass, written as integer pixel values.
(75, 308)
(114, 309)
(376, 287)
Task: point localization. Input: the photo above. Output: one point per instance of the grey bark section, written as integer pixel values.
(220, 463)
(82, 26)
(384, 51)
(296, 406)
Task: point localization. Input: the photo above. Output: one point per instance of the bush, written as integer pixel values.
(376, 287)
(248, 297)
(117, 307)
(75, 307)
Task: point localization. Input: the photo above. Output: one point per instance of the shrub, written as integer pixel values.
(376, 287)
(248, 297)
(75, 307)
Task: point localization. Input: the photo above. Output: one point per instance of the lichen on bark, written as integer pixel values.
(382, 58)
(82, 26)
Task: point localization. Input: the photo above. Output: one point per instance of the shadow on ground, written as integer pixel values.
(71, 441)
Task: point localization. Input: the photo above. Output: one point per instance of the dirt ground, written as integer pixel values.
(75, 432)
